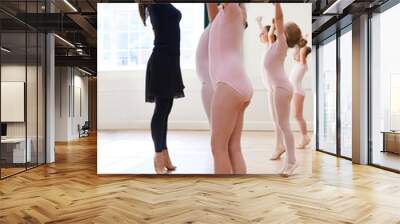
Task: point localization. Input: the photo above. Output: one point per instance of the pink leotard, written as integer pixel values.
(225, 50)
(296, 77)
(274, 59)
(202, 65)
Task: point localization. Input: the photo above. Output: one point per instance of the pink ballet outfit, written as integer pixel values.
(297, 76)
(274, 71)
(225, 50)
(203, 71)
(296, 53)
(202, 64)
(280, 92)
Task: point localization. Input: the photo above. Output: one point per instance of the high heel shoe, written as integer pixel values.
(277, 154)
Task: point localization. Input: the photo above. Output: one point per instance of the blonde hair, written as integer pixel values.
(294, 36)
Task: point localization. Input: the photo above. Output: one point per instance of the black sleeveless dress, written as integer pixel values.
(163, 74)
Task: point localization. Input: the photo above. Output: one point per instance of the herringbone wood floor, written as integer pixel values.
(69, 191)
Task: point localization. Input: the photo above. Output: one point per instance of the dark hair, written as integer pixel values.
(142, 12)
(268, 28)
(302, 43)
(308, 50)
(246, 24)
(274, 36)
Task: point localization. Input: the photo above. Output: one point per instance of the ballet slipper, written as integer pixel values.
(159, 165)
(281, 170)
(289, 169)
(171, 168)
(303, 145)
(277, 154)
(167, 161)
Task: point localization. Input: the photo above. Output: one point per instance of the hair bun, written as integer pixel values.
(308, 50)
(302, 42)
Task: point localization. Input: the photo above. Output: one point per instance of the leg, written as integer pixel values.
(168, 108)
(225, 108)
(298, 109)
(282, 98)
(206, 96)
(157, 132)
(235, 149)
(279, 145)
(159, 122)
(167, 159)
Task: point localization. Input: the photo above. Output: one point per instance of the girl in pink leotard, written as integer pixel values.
(268, 37)
(232, 88)
(279, 86)
(296, 77)
(202, 62)
(225, 46)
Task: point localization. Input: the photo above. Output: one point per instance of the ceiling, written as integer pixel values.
(76, 22)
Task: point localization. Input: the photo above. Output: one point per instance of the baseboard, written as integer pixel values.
(195, 125)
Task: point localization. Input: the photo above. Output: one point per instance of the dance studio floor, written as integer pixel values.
(131, 152)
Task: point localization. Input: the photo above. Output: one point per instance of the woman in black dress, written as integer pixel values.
(163, 75)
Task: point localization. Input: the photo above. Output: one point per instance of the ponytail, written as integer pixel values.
(142, 12)
(308, 51)
(302, 42)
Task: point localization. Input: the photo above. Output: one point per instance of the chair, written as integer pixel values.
(84, 130)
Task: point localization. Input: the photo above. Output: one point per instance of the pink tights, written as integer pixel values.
(279, 99)
(298, 107)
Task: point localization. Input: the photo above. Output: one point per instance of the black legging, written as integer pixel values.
(159, 122)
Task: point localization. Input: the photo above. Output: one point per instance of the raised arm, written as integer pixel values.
(261, 28)
(304, 54)
(212, 11)
(279, 18)
(271, 33)
(244, 13)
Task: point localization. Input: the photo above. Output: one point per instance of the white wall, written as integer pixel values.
(121, 102)
(18, 73)
(80, 83)
(15, 73)
(61, 103)
(68, 81)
